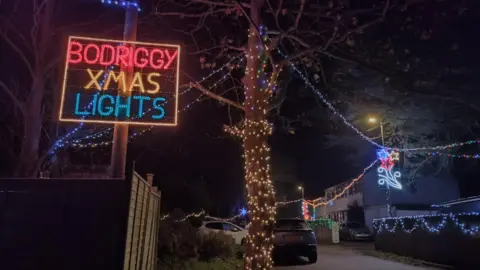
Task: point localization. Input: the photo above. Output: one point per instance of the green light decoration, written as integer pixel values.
(320, 223)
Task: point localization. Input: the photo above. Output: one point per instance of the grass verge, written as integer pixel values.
(232, 264)
(401, 259)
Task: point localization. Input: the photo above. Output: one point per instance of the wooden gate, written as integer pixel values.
(142, 226)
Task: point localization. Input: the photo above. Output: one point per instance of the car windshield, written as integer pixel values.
(291, 224)
(354, 226)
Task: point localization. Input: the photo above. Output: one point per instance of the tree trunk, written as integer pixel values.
(27, 163)
(261, 195)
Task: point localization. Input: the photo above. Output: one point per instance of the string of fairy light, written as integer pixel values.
(335, 111)
(123, 3)
(391, 225)
(314, 203)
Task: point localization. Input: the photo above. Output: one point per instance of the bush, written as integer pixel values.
(215, 245)
(239, 251)
(177, 243)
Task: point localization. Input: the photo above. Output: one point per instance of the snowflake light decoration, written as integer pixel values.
(386, 175)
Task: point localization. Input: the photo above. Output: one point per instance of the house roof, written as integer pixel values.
(458, 201)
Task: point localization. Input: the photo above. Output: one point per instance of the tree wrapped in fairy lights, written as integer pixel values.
(271, 35)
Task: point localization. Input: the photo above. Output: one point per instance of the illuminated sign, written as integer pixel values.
(115, 81)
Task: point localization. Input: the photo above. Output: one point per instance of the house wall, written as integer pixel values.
(372, 212)
(337, 209)
(428, 190)
(321, 211)
(462, 207)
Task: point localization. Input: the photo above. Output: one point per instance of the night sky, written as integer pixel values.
(196, 164)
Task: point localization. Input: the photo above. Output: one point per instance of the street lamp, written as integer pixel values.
(373, 120)
(301, 189)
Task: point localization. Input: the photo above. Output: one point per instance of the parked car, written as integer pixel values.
(293, 237)
(238, 233)
(354, 231)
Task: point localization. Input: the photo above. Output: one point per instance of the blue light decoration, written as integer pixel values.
(381, 226)
(63, 140)
(123, 3)
(386, 175)
(243, 211)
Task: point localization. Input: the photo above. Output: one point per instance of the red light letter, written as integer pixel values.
(78, 53)
(160, 61)
(97, 54)
(122, 56)
(143, 62)
(170, 58)
(103, 56)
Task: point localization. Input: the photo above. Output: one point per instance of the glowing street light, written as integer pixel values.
(372, 120)
(301, 189)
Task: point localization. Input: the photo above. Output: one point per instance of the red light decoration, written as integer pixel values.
(127, 55)
(91, 93)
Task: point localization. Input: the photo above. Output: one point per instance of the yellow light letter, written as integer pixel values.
(120, 80)
(94, 79)
(153, 82)
(137, 81)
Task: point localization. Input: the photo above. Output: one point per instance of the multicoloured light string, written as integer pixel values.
(63, 139)
(123, 3)
(314, 203)
(76, 143)
(307, 82)
(385, 225)
(464, 156)
(243, 211)
(137, 134)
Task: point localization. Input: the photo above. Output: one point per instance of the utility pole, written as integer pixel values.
(120, 134)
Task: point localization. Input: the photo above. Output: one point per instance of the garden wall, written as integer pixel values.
(449, 239)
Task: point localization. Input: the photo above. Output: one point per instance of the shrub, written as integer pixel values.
(215, 245)
(239, 251)
(177, 242)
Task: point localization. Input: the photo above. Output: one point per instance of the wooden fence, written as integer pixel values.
(142, 227)
(78, 224)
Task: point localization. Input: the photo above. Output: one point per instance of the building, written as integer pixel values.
(337, 209)
(410, 200)
(470, 204)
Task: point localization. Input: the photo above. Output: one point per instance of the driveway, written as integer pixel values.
(335, 257)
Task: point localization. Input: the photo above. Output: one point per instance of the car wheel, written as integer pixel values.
(312, 258)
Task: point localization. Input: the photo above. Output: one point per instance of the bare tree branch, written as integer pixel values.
(215, 96)
(20, 105)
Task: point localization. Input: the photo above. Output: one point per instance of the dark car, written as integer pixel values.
(293, 237)
(354, 231)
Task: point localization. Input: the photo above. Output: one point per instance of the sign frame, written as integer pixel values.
(61, 117)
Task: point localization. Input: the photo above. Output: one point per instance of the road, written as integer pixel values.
(346, 258)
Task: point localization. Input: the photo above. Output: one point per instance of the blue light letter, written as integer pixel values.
(77, 104)
(109, 110)
(123, 106)
(94, 104)
(140, 104)
(158, 107)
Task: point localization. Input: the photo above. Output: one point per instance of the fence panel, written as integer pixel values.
(142, 231)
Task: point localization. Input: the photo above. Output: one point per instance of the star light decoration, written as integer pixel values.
(243, 212)
(385, 174)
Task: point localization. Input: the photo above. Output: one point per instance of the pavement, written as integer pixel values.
(346, 257)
